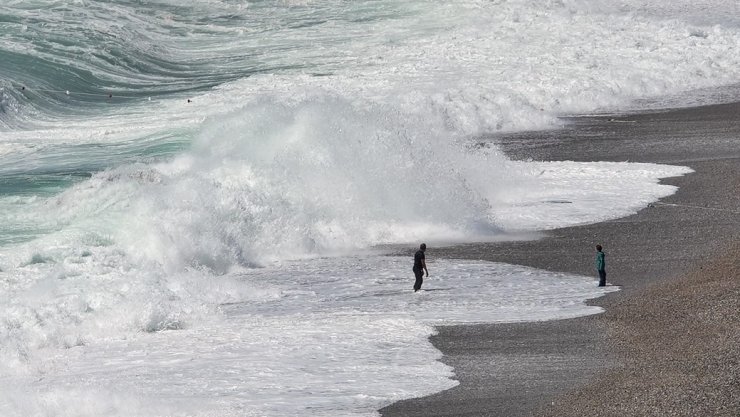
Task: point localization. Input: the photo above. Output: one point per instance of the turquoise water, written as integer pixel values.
(64, 61)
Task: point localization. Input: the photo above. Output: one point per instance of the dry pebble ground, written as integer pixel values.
(679, 342)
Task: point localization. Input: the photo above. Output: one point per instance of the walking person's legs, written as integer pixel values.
(602, 278)
(419, 273)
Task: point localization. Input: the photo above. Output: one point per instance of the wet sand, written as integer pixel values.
(669, 342)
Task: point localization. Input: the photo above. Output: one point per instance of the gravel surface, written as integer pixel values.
(680, 343)
(667, 344)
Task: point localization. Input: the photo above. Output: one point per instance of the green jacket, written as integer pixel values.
(600, 262)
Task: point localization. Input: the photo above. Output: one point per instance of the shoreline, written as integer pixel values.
(564, 368)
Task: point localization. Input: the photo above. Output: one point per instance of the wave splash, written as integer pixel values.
(272, 181)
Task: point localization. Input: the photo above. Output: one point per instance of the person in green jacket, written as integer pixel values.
(601, 265)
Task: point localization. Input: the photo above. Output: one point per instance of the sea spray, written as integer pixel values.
(272, 181)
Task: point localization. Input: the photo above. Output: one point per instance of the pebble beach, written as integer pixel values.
(666, 344)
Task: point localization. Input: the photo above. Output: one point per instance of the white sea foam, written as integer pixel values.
(345, 336)
(480, 66)
(277, 182)
(164, 307)
(567, 193)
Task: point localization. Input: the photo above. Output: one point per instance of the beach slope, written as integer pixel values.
(667, 343)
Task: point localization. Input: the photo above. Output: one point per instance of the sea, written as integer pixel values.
(197, 197)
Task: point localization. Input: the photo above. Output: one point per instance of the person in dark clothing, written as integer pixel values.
(601, 265)
(420, 266)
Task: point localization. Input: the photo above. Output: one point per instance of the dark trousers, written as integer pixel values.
(602, 277)
(419, 273)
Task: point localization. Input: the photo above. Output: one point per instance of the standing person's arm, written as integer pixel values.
(600, 262)
(424, 265)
